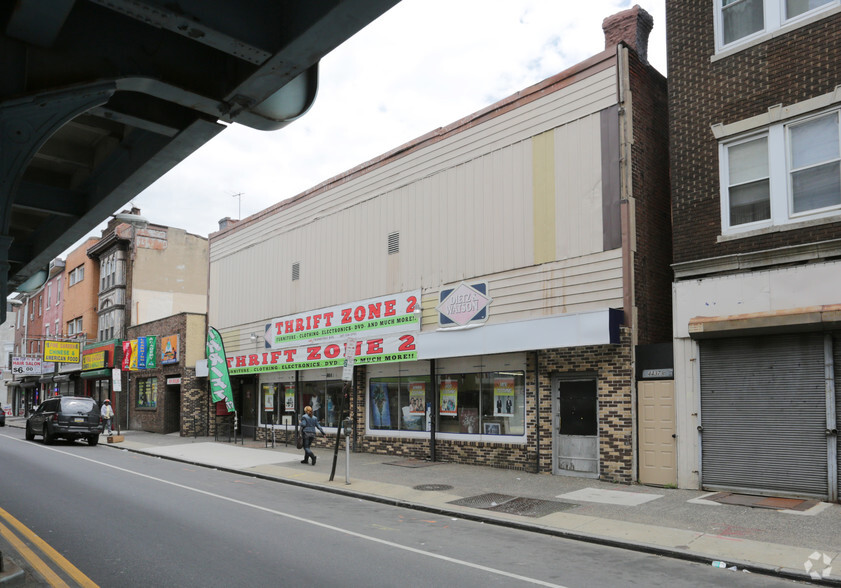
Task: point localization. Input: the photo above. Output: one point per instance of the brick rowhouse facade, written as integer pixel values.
(787, 69)
(755, 293)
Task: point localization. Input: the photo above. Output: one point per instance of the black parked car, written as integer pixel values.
(66, 417)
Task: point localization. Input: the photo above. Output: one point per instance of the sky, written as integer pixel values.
(422, 65)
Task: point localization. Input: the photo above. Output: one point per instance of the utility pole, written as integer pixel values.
(239, 210)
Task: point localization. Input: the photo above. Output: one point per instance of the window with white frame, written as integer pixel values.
(787, 173)
(739, 21)
(58, 290)
(49, 293)
(76, 275)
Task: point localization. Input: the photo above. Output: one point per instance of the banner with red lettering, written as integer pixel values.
(396, 313)
(325, 354)
(126, 355)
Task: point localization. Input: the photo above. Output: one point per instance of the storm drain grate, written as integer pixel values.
(531, 507)
(483, 500)
(432, 487)
(527, 507)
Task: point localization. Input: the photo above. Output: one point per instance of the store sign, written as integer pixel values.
(386, 314)
(95, 361)
(26, 366)
(173, 381)
(464, 304)
(325, 355)
(107, 350)
(61, 351)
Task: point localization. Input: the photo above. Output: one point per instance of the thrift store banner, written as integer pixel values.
(367, 318)
(220, 382)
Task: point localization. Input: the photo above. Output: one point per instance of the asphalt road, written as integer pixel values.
(124, 519)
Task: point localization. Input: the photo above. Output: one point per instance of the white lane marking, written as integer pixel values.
(311, 522)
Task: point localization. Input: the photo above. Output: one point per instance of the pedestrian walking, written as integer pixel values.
(309, 424)
(107, 413)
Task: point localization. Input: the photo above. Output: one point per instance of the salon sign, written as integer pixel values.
(374, 317)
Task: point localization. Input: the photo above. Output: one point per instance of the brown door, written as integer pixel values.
(657, 433)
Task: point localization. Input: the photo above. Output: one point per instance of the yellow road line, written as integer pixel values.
(35, 561)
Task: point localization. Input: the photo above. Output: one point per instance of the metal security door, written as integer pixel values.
(575, 430)
(835, 424)
(764, 415)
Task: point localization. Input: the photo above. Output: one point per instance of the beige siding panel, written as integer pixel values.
(578, 186)
(578, 100)
(463, 207)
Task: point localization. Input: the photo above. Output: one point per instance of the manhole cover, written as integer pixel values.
(483, 500)
(433, 487)
(531, 507)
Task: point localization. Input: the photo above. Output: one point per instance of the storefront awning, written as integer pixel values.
(599, 327)
(97, 374)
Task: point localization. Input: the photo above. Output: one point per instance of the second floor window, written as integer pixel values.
(741, 20)
(784, 174)
(76, 275)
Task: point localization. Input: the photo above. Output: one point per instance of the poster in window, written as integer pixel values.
(503, 397)
(417, 398)
(289, 396)
(449, 398)
(380, 413)
(468, 419)
(268, 394)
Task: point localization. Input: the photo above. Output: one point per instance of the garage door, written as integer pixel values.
(763, 414)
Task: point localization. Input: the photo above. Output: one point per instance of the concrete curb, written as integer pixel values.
(787, 573)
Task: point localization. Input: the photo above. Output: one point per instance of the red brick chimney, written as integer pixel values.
(630, 26)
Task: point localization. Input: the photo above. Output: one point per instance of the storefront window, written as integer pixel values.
(147, 393)
(398, 403)
(488, 403)
(324, 396)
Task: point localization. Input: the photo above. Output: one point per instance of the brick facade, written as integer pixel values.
(187, 412)
(786, 69)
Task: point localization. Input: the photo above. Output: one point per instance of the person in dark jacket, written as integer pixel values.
(309, 424)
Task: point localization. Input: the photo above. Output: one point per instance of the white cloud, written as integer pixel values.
(422, 65)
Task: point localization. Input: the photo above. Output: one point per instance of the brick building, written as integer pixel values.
(756, 186)
(166, 396)
(495, 278)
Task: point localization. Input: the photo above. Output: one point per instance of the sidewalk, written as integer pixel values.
(684, 524)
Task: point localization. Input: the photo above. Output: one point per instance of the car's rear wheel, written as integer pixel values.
(48, 437)
(29, 434)
(93, 440)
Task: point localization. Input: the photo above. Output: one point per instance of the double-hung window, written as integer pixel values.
(741, 21)
(787, 173)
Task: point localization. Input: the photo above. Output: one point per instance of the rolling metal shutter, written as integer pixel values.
(763, 414)
(836, 359)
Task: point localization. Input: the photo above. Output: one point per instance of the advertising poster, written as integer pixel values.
(503, 397)
(417, 398)
(169, 349)
(141, 353)
(151, 352)
(132, 364)
(289, 396)
(380, 412)
(449, 398)
(126, 355)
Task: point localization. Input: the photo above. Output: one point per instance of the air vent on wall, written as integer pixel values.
(296, 271)
(393, 242)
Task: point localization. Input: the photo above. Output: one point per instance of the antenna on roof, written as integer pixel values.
(239, 211)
